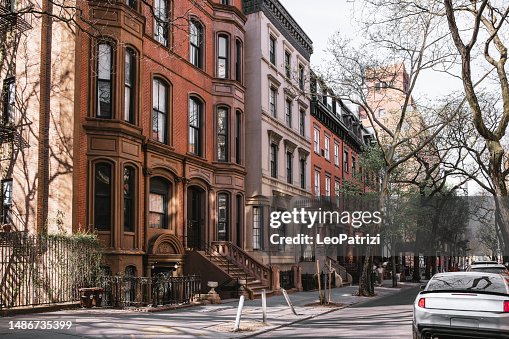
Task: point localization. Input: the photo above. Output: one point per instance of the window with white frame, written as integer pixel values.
(336, 188)
(336, 154)
(273, 102)
(327, 186)
(316, 140)
(317, 182)
(327, 147)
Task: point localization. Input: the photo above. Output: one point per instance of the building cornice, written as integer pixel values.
(283, 21)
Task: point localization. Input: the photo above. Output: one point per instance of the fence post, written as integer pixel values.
(239, 313)
(288, 301)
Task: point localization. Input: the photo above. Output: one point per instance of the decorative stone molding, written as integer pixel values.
(290, 146)
(303, 153)
(273, 80)
(274, 137)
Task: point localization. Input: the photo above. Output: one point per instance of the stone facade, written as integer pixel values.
(277, 125)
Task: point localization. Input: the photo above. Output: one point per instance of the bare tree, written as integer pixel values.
(479, 28)
(400, 37)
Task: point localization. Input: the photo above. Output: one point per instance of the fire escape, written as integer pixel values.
(13, 122)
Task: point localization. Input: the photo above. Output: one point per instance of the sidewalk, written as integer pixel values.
(207, 321)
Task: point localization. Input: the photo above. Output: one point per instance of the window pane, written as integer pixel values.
(104, 62)
(102, 197)
(156, 203)
(223, 47)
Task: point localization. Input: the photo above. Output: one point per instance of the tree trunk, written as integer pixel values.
(394, 271)
(416, 275)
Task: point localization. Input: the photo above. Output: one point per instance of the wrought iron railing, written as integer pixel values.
(243, 260)
(162, 289)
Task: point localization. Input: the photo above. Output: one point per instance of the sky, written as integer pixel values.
(326, 17)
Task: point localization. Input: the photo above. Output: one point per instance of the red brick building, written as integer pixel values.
(160, 137)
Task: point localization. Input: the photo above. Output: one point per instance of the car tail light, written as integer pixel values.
(422, 304)
(506, 306)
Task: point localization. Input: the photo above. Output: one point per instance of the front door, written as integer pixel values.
(195, 217)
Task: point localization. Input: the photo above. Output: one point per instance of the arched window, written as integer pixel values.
(196, 43)
(130, 85)
(238, 60)
(161, 21)
(195, 126)
(158, 203)
(223, 216)
(104, 80)
(102, 196)
(129, 203)
(160, 110)
(222, 56)
(222, 134)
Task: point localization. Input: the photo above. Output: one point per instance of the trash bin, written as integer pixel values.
(91, 296)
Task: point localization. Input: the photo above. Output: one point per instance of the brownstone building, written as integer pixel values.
(138, 135)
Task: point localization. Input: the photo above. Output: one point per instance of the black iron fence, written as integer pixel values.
(39, 269)
(310, 281)
(161, 289)
(286, 280)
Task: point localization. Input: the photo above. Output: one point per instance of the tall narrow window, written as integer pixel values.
(327, 148)
(257, 228)
(302, 169)
(104, 80)
(317, 183)
(160, 110)
(327, 186)
(316, 141)
(353, 165)
(238, 60)
(6, 201)
(238, 131)
(9, 100)
(336, 154)
(158, 203)
(302, 122)
(273, 102)
(222, 57)
(336, 188)
(196, 44)
(301, 77)
(222, 134)
(345, 161)
(239, 228)
(223, 212)
(273, 160)
(288, 64)
(102, 196)
(129, 85)
(195, 120)
(289, 167)
(129, 199)
(288, 113)
(272, 50)
(161, 21)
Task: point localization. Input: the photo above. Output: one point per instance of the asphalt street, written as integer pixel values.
(387, 317)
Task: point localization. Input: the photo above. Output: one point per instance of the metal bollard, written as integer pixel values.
(264, 306)
(288, 301)
(239, 313)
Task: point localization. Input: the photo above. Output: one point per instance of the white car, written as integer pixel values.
(463, 305)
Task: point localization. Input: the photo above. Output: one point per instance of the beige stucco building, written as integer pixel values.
(277, 124)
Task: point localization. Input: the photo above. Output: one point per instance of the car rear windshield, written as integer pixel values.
(497, 270)
(477, 283)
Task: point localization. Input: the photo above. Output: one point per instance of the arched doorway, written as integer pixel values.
(196, 214)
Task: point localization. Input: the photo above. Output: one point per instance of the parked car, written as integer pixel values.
(462, 304)
(490, 268)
